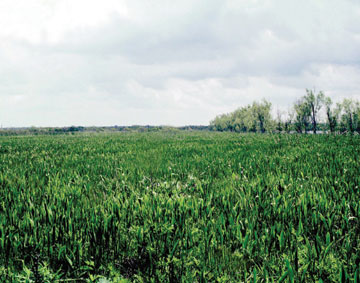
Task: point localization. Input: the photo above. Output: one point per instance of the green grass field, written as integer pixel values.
(180, 207)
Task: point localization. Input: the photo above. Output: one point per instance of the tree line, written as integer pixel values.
(104, 129)
(312, 112)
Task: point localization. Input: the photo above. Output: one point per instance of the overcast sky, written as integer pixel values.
(161, 62)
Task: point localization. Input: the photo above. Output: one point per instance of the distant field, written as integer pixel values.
(180, 207)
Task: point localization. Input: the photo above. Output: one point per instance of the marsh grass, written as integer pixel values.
(180, 207)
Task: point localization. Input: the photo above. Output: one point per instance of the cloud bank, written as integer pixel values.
(169, 63)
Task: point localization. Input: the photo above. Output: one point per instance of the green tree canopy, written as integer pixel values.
(251, 118)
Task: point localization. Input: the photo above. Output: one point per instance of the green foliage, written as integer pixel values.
(303, 114)
(302, 117)
(314, 102)
(350, 116)
(252, 118)
(179, 207)
(332, 115)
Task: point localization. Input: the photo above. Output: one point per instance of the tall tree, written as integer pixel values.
(220, 123)
(251, 118)
(332, 115)
(279, 121)
(314, 102)
(262, 116)
(302, 115)
(349, 117)
(289, 120)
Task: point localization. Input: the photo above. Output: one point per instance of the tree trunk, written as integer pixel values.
(313, 118)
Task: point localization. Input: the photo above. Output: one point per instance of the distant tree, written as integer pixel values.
(350, 115)
(314, 102)
(332, 115)
(261, 113)
(220, 123)
(251, 118)
(240, 119)
(279, 121)
(289, 120)
(302, 115)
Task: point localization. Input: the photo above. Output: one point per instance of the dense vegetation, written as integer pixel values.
(312, 112)
(180, 207)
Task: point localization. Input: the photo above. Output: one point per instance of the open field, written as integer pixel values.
(180, 207)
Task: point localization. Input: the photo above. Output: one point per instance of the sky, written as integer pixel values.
(160, 62)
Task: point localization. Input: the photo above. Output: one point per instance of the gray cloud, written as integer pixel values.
(184, 63)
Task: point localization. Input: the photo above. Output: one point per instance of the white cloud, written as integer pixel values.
(179, 62)
(49, 20)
